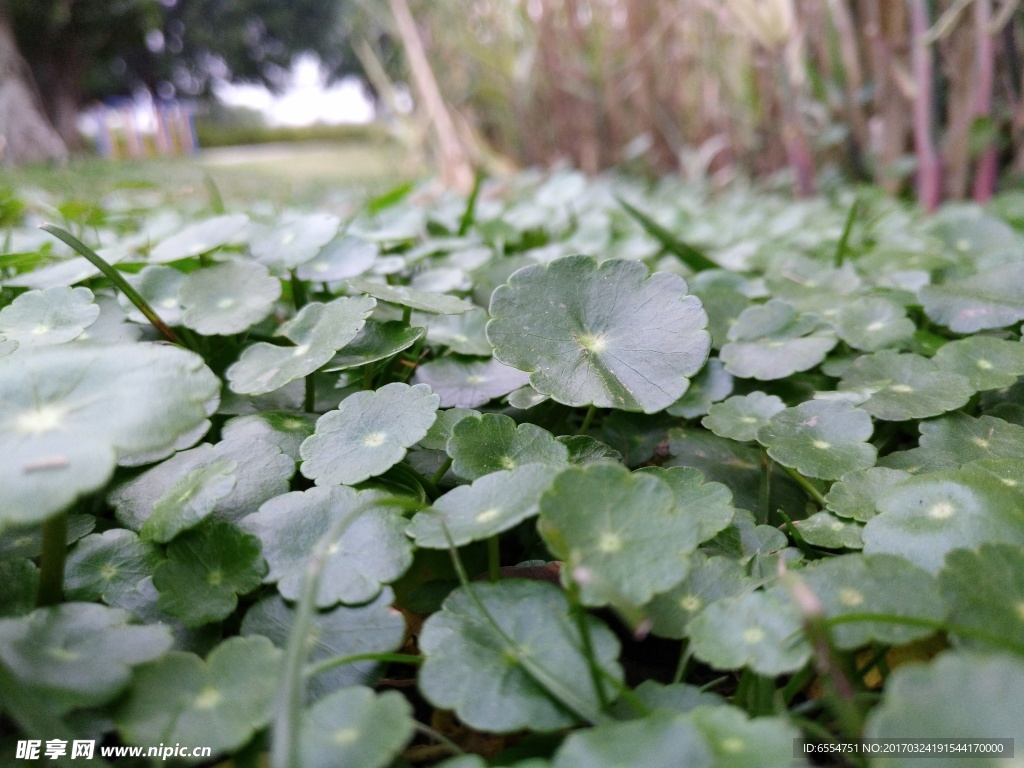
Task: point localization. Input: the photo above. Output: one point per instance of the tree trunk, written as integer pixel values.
(25, 133)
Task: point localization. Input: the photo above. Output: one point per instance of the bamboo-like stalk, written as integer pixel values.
(987, 169)
(929, 172)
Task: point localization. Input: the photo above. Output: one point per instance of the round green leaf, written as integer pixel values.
(28, 542)
(228, 297)
(966, 695)
(372, 551)
(660, 740)
(823, 529)
(886, 584)
(294, 242)
(905, 386)
(710, 503)
(340, 259)
(584, 449)
(493, 442)
(190, 499)
(855, 494)
(368, 433)
(737, 741)
(161, 288)
(759, 630)
(103, 566)
(674, 697)
(260, 472)
(205, 571)
(470, 668)
(469, 383)
(988, 363)
(67, 414)
(439, 432)
(492, 504)
(773, 341)
(526, 398)
(957, 439)
(77, 654)
(985, 590)
(355, 728)
(341, 631)
(19, 583)
(285, 430)
(375, 342)
(993, 298)
(873, 323)
(463, 334)
(318, 330)
(709, 579)
(610, 335)
(424, 301)
(54, 316)
(198, 238)
(622, 536)
(820, 438)
(219, 703)
(739, 417)
(927, 516)
(712, 384)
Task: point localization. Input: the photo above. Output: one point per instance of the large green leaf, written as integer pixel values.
(104, 566)
(67, 414)
(988, 363)
(469, 383)
(493, 442)
(820, 438)
(318, 330)
(905, 386)
(660, 740)
(738, 741)
(709, 579)
(368, 433)
(184, 505)
(219, 703)
(985, 590)
(739, 417)
(228, 297)
(492, 504)
(205, 571)
(260, 472)
(53, 316)
(622, 536)
(294, 241)
(710, 503)
(77, 654)
(856, 492)
(993, 298)
(521, 673)
(198, 238)
(355, 728)
(609, 335)
(884, 584)
(341, 631)
(759, 630)
(773, 340)
(424, 301)
(925, 517)
(372, 551)
(342, 258)
(375, 342)
(874, 323)
(959, 695)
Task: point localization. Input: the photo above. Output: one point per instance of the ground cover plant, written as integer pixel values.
(568, 473)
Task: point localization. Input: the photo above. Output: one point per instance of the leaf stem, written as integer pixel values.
(51, 564)
(339, 661)
(439, 475)
(284, 735)
(807, 485)
(587, 420)
(115, 277)
(840, 254)
(494, 558)
(309, 399)
(299, 296)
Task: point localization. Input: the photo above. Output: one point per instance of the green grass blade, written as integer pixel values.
(689, 255)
